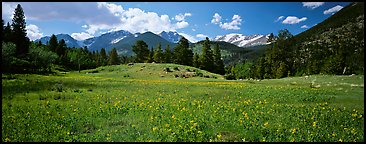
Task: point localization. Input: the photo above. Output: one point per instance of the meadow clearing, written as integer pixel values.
(147, 102)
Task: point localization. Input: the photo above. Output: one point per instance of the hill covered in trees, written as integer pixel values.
(334, 46)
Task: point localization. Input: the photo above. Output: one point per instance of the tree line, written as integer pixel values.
(181, 54)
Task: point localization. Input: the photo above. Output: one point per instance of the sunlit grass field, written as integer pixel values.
(145, 102)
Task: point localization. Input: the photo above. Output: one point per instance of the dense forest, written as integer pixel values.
(334, 46)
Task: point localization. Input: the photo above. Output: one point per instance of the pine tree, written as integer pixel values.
(61, 49)
(141, 50)
(168, 55)
(151, 56)
(7, 34)
(103, 57)
(218, 62)
(196, 62)
(19, 36)
(53, 44)
(113, 57)
(182, 53)
(206, 59)
(158, 55)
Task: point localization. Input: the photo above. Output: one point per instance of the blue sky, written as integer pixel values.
(193, 20)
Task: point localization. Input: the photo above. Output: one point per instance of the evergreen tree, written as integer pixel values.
(53, 44)
(218, 62)
(103, 57)
(260, 68)
(168, 55)
(196, 62)
(113, 57)
(61, 49)
(158, 55)
(141, 50)
(182, 53)
(7, 34)
(206, 59)
(19, 36)
(151, 56)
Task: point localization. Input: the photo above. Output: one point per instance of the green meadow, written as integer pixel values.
(169, 102)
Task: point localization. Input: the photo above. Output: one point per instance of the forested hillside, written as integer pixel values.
(334, 46)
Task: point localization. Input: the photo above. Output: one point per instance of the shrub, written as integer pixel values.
(168, 70)
(59, 87)
(176, 68)
(198, 73)
(230, 77)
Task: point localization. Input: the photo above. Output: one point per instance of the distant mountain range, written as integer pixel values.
(242, 40)
(70, 42)
(124, 40)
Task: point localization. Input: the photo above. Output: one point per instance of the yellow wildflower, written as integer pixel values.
(293, 130)
(266, 124)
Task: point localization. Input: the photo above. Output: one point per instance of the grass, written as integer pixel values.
(143, 102)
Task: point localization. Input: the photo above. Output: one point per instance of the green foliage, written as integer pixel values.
(103, 57)
(113, 57)
(151, 55)
(141, 50)
(182, 53)
(7, 33)
(19, 33)
(218, 62)
(7, 55)
(53, 43)
(41, 59)
(206, 59)
(158, 55)
(196, 62)
(168, 55)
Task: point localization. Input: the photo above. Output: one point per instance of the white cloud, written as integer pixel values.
(33, 32)
(98, 17)
(293, 20)
(216, 19)
(116, 10)
(182, 24)
(304, 26)
(312, 5)
(201, 36)
(81, 36)
(189, 37)
(279, 18)
(193, 29)
(333, 9)
(233, 24)
(181, 17)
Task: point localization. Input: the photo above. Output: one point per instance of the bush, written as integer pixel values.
(198, 73)
(176, 68)
(168, 70)
(230, 77)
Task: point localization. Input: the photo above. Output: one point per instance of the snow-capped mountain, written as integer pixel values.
(70, 42)
(170, 36)
(105, 40)
(242, 40)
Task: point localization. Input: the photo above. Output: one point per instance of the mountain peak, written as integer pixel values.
(243, 40)
(171, 36)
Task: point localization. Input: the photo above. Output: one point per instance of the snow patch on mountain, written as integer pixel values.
(242, 40)
(117, 40)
